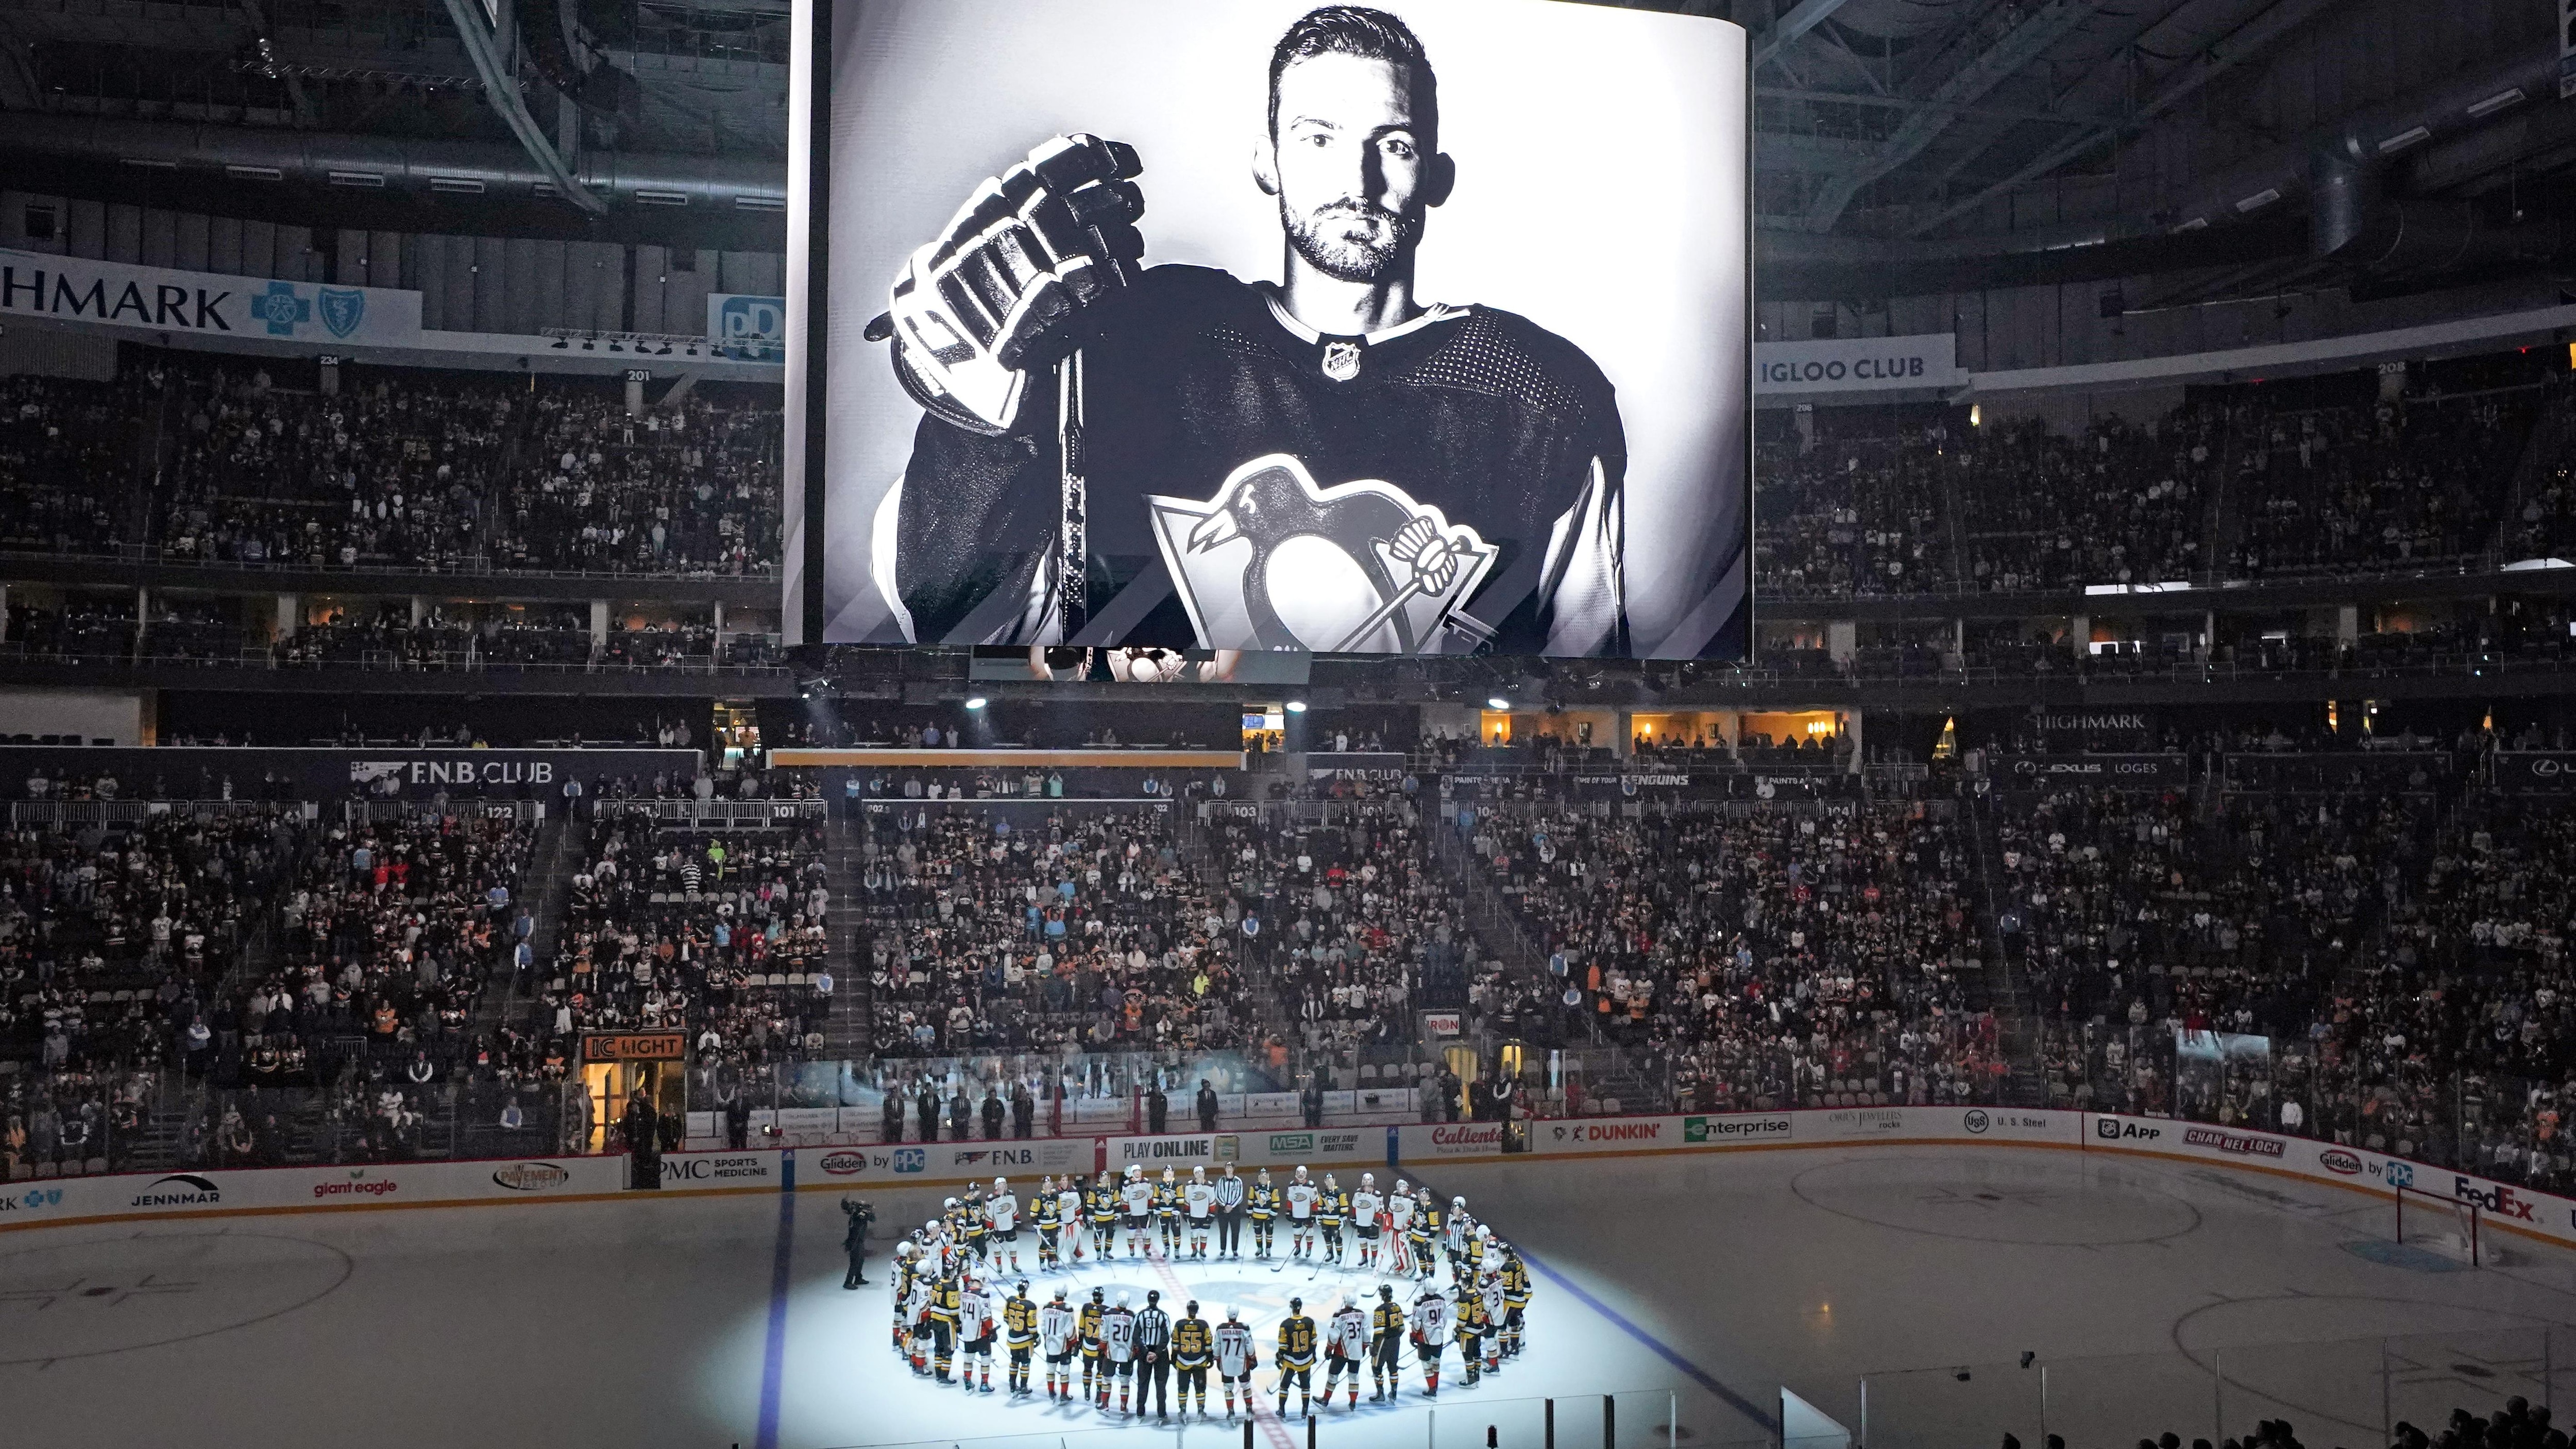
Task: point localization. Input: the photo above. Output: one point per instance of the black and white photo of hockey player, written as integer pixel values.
(1330, 462)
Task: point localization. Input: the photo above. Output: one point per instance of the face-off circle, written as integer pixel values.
(1991, 1202)
(112, 1295)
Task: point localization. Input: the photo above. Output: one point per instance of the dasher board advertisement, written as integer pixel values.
(1413, 328)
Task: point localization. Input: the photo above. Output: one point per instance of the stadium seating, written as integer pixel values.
(717, 934)
(1767, 959)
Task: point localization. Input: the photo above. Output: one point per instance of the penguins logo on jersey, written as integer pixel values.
(1275, 562)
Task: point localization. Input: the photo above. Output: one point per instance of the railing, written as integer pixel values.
(369, 812)
(721, 814)
(2493, 1124)
(2207, 581)
(2218, 1391)
(2213, 587)
(2490, 1124)
(74, 1125)
(1067, 1092)
(1657, 1418)
(117, 812)
(382, 661)
(477, 567)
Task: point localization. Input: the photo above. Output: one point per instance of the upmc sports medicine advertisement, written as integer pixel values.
(1412, 328)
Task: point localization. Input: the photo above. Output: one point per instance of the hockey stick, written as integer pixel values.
(1072, 566)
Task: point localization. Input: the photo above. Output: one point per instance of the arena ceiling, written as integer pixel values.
(1901, 144)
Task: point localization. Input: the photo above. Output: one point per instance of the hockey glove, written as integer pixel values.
(999, 295)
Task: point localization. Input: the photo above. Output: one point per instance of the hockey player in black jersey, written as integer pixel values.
(1329, 462)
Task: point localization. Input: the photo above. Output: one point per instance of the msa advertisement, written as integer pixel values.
(1412, 328)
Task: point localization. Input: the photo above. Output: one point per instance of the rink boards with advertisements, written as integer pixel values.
(229, 1192)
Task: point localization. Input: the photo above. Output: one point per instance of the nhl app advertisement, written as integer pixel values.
(1409, 328)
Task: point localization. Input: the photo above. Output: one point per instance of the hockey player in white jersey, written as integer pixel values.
(1366, 1210)
(1345, 1349)
(1236, 1358)
(1057, 1339)
(1302, 1197)
(1136, 1204)
(916, 1309)
(1399, 1223)
(1069, 1214)
(1198, 1203)
(1118, 1349)
(1489, 1294)
(1431, 1326)
(975, 1312)
(1002, 1217)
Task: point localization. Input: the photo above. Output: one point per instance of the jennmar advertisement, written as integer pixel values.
(221, 1192)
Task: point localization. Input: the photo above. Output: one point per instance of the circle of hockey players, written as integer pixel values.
(1391, 1286)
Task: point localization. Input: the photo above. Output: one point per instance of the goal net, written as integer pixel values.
(2449, 1226)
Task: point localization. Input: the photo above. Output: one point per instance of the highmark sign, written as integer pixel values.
(204, 304)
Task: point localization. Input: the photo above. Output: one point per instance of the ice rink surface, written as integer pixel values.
(2151, 1296)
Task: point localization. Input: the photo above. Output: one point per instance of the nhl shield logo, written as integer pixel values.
(343, 308)
(1275, 562)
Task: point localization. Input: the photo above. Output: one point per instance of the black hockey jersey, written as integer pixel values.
(1258, 435)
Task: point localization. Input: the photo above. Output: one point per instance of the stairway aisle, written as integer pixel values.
(2005, 993)
(846, 1035)
(557, 857)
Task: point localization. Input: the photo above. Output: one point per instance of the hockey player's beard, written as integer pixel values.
(1351, 241)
